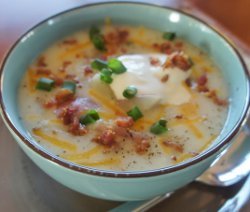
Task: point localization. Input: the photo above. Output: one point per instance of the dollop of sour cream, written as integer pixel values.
(147, 78)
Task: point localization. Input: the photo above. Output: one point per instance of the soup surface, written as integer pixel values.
(123, 98)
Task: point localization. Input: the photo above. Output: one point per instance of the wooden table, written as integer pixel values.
(232, 17)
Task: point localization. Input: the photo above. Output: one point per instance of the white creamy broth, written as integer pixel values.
(175, 82)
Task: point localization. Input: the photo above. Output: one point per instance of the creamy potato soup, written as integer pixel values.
(123, 98)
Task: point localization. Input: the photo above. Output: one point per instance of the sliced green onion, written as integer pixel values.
(86, 119)
(99, 64)
(159, 127)
(130, 92)
(93, 31)
(93, 114)
(45, 84)
(97, 38)
(98, 42)
(105, 76)
(116, 66)
(69, 85)
(169, 35)
(135, 113)
(89, 118)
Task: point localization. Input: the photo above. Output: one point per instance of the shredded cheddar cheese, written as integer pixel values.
(83, 155)
(109, 161)
(106, 102)
(75, 49)
(183, 157)
(55, 141)
(145, 122)
(141, 43)
(208, 143)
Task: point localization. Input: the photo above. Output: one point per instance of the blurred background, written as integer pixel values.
(232, 17)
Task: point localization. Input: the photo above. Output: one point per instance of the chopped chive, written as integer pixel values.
(169, 35)
(159, 127)
(116, 66)
(89, 118)
(105, 76)
(97, 38)
(45, 84)
(99, 64)
(69, 85)
(130, 92)
(135, 113)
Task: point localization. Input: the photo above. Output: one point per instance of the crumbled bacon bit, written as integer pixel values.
(76, 128)
(142, 146)
(77, 55)
(221, 102)
(43, 71)
(66, 63)
(70, 77)
(167, 63)
(181, 62)
(166, 48)
(175, 146)
(68, 114)
(155, 45)
(58, 80)
(179, 44)
(165, 78)
(115, 38)
(70, 41)
(88, 71)
(174, 158)
(41, 62)
(188, 82)
(122, 132)
(203, 88)
(202, 80)
(107, 138)
(110, 136)
(194, 153)
(49, 104)
(125, 122)
(179, 116)
(154, 61)
(63, 95)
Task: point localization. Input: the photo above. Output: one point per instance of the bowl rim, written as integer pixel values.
(126, 174)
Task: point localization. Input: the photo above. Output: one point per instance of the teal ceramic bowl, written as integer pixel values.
(123, 186)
